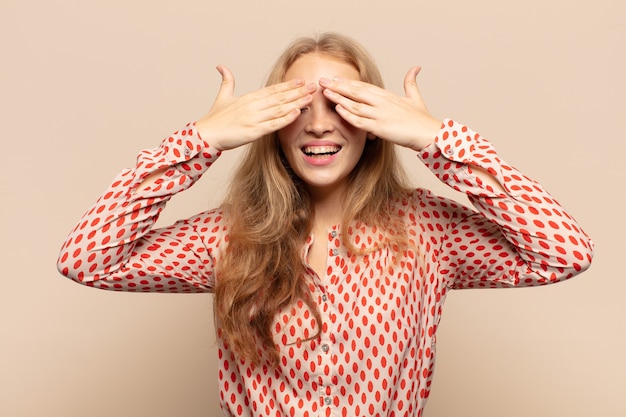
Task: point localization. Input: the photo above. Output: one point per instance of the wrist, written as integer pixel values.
(205, 133)
(428, 132)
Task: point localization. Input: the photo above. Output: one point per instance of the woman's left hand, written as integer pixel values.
(404, 121)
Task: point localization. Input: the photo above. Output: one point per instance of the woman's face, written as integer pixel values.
(321, 148)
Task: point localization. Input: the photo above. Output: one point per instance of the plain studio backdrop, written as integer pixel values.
(85, 85)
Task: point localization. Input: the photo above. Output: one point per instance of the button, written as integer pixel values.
(187, 151)
(324, 298)
(333, 233)
(335, 252)
(328, 400)
(449, 151)
(325, 347)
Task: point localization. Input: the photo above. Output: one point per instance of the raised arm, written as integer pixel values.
(519, 234)
(114, 246)
(110, 247)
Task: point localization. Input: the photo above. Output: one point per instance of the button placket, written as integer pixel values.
(328, 373)
(332, 241)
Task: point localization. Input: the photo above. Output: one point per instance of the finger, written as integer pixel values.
(357, 91)
(227, 88)
(280, 110)
(291, 95)
(280, 88)
(278, 122)
(276, 102)
(410, 84)
(355, 107)
(363, 123)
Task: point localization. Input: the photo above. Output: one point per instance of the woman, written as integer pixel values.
(329, 272)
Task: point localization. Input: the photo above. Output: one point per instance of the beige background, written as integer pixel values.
(85, 85)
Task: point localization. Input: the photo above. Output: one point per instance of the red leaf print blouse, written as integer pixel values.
(376, 351)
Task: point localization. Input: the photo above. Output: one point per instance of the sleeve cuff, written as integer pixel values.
(454, 151)
(184, 155)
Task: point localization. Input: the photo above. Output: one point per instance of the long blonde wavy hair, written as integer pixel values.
(270, 217)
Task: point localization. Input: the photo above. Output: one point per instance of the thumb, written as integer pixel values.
(410, 85)
(227, 88)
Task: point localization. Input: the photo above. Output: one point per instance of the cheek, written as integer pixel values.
(355, 135)
(351, 131)
(283, 138)
(287, 134)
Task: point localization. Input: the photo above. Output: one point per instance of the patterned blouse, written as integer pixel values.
(376, 350)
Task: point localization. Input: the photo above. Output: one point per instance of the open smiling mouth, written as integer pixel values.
(321, 151)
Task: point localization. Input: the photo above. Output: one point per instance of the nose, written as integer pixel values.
(320, 116)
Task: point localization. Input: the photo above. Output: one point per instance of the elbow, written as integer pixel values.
(558, 268)
(580, 261)
(65, 268)
(585, 259)
(70, 267)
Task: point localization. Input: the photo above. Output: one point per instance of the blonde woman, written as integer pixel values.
(329, 270)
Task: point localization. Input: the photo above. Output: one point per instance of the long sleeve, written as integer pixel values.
(521, 237)
(114, 246)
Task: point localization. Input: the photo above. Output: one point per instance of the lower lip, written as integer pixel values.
(320, 160)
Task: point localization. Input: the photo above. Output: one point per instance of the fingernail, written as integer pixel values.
(311, 87)
(298, 81)
(324, 81)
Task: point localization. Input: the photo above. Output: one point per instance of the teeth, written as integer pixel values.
(319, 150)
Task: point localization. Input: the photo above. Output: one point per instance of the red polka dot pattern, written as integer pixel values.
(376, 351)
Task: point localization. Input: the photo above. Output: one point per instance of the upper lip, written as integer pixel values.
(318, 143)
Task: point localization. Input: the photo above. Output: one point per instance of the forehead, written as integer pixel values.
(313, 66)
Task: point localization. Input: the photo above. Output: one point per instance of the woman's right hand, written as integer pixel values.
(235, 121)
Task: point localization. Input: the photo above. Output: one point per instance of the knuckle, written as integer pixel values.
(283, 98)
(280, 110)
(274, 125)
(356, 122)
(354, 92)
